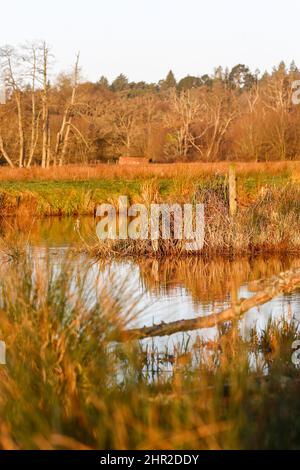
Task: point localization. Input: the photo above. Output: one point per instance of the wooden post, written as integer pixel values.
(232, 191)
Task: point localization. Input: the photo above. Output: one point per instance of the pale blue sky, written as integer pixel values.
(146, 38)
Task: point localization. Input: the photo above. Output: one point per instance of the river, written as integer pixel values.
(155, 291)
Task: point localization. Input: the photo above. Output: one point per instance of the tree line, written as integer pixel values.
(228, 115)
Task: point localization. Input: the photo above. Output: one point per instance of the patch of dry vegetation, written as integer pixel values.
(270, 224)
(129, 172)
(65, 386)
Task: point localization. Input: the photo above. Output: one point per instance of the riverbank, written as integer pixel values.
(268, 197)
(77, 190)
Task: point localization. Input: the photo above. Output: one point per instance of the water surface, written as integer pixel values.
(166, 290)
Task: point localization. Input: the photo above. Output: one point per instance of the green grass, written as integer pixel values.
(63, 197)
(80, 197)
(252, 183)
(267, 219)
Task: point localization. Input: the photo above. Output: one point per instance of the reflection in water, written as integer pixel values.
(165, 290)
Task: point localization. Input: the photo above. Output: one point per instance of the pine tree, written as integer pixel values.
(169, 82)
(189, 82)
(103, 82)
(120, 83)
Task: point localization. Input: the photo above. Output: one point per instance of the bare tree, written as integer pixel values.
(4, 153)
(219, 114)
(277, 99)
(199, 121)
(32, 57)
(64, 132)
(125, 117)
(184, 110)
(249, 140)
(45, 106)
(11, 65)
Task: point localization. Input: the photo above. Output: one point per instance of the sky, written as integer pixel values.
(144, 39)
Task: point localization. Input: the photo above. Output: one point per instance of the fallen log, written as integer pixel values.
(284, 283)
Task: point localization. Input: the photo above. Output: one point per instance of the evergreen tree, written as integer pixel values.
(103, 82)
(169, 82)
(293, 67)
(120, 83)
(189, 82)
(207, 80)
(241, 77)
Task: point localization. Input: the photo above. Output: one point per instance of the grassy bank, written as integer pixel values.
(76, 190)
(268, 217)
(65, 387)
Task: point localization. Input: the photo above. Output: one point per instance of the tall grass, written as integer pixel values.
(269, 224)
(67, 386)
(128, 172)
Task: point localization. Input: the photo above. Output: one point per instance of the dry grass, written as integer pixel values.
(129, 172)
(66, 387)
(270, 224)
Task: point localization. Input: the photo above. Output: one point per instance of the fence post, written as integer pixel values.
(232, 191)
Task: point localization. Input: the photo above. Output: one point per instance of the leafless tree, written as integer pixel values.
(12, 67)
(66, 125)
(45, 107)
(184, 110)
(4, 153)
(32, 58)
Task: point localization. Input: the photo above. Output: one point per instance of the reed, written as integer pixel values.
(66, 386)
(268, 225)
